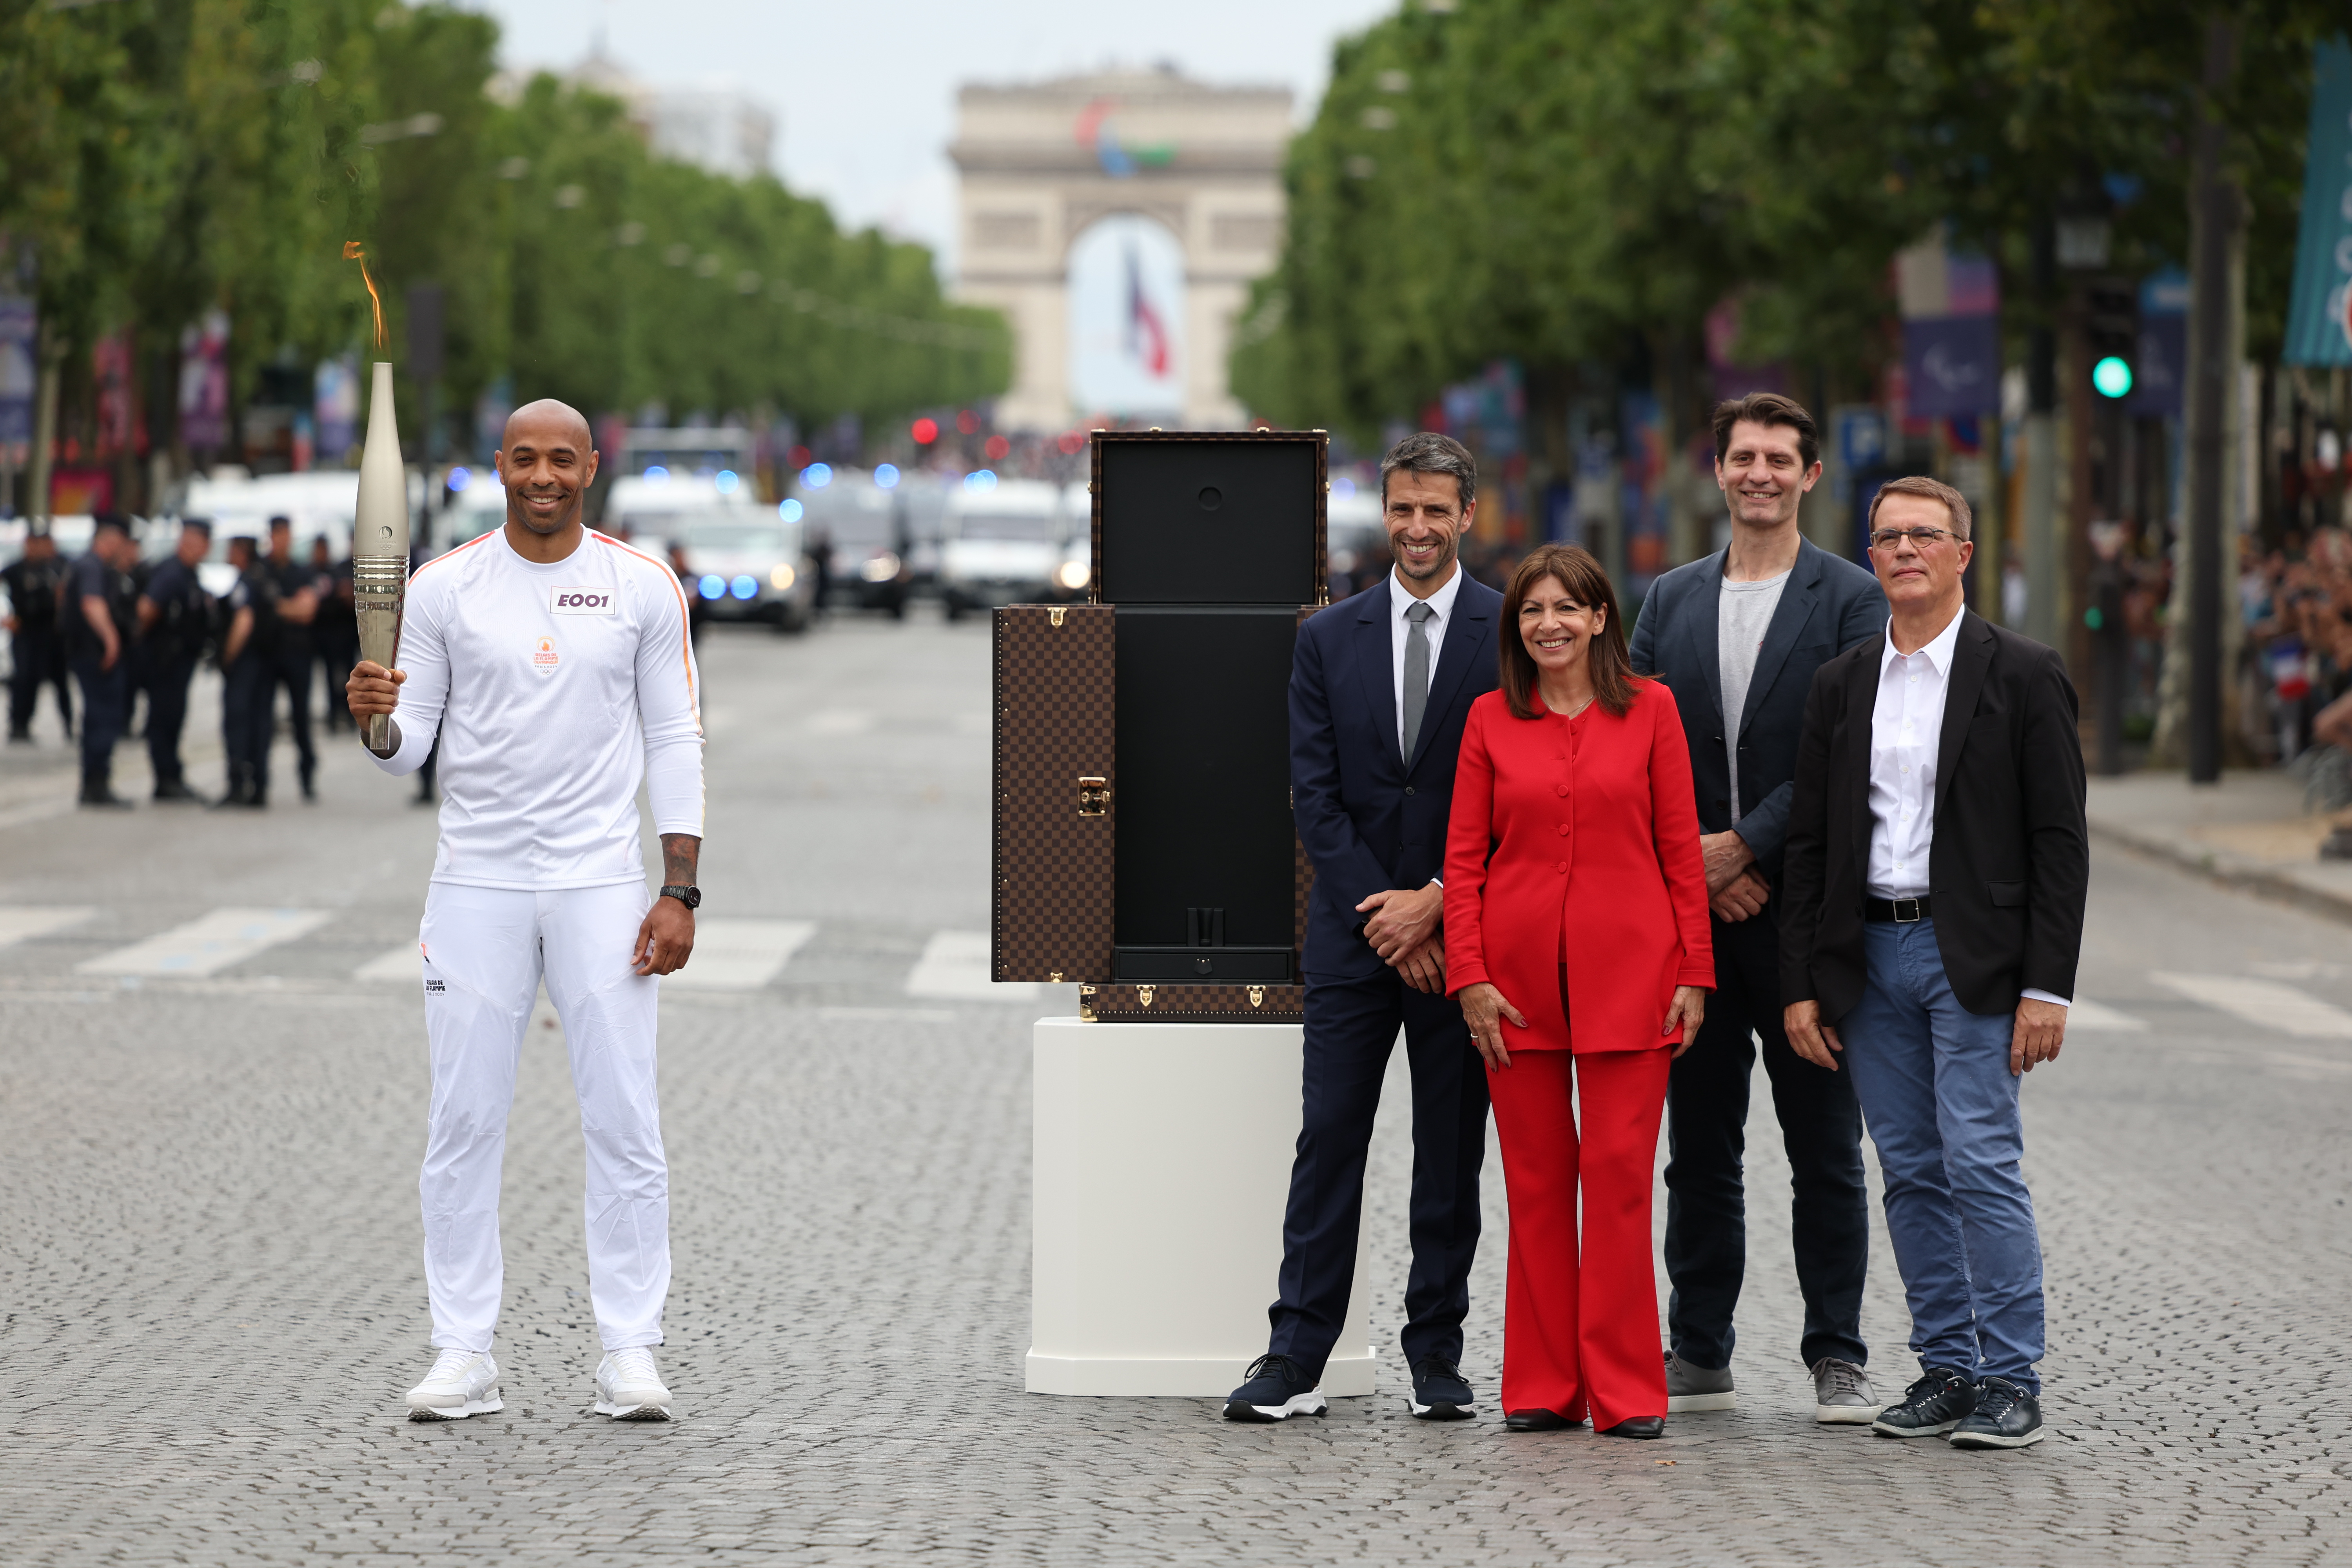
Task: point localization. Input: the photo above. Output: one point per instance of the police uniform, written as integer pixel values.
(337, 633)
(37, 644)
(250, 688)
(172, 647)
(105, 688)
(291, 656)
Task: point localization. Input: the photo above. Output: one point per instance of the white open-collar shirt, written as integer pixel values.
(1907, 731)
(1401, 600)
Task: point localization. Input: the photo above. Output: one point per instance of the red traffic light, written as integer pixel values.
(997, 448)
(926, 431)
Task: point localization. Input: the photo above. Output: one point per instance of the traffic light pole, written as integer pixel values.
(2042, 448)
(2220, 213)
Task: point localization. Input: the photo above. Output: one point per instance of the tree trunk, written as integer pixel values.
(51, 354)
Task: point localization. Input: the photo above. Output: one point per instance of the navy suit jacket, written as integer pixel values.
(1829, 604)
(1368, 819)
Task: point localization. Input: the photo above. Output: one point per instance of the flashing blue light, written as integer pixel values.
(980, 481)
(2112, 376)
(1343, 487)
(657, 473)
(789, 510)
(459, 480)
(712, 587)
(816, 475)
(745, 587)
(726, 482)
(887, 475)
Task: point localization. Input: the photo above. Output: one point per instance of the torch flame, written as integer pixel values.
(354, 251)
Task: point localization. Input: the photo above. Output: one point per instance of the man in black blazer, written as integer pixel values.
(1738, 637)
(1937, 866)
(1379, 691)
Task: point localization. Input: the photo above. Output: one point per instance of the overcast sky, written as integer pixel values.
(865, 90)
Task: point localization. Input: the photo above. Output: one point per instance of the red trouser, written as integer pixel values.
(1581, 1334)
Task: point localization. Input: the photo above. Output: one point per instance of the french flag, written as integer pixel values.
(1146, 338)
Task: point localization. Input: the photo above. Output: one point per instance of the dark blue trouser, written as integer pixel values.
(167, 715)
(1350, 1026)
(250, 693)
(1942, 1105)
(105, 709)
(292, 670)
(41, 660)
(1707, 1120)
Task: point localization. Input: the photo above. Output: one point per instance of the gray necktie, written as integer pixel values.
(1416, 674)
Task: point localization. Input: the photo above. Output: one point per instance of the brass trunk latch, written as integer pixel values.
(1257, 996)
(1143, 995)
(1055, 615)
(1094, 795)
(1086, 1004)
(1054, 975)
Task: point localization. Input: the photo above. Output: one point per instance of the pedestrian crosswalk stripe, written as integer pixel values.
(23, 924)
(2086, 1014)
(208, 943)
(404, 962)
(955, 965)
(2268, 1004)
(733, 953)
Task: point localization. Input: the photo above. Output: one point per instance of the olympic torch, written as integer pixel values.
(380, 543)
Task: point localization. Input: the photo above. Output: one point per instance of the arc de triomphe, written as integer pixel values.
(1044, 163)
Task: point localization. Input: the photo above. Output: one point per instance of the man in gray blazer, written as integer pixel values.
(1737, 637)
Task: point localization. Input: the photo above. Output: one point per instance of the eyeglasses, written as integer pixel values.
(1920, 538)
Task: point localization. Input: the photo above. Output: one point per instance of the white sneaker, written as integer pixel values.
(629, 1389)
(461, 1383)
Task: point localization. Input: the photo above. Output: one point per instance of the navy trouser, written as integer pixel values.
(105, 709)
(1942, 1107)
(1707, 1120)
(1350, 1026)
(41, 660)
(292, 670)
(167, 715)
(250, 693)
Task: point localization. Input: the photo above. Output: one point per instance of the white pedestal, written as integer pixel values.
(1162, 1168)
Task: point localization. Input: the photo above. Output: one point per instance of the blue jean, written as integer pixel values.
(1941, 1106)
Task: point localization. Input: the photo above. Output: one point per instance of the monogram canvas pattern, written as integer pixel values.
(1193, 1004)
(1052, 867)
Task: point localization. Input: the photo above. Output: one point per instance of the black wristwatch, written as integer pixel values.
(690, 897)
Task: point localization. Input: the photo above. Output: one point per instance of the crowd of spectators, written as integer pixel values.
(2298, 608)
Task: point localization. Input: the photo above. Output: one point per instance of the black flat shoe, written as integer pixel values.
(1638, 1427)
(1538, 1421)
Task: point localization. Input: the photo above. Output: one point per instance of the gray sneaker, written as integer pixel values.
(1841, 1394)
(1691, 1388)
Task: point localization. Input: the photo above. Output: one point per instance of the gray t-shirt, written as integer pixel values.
(1744, 614)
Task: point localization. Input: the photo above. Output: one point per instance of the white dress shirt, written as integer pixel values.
(1400, 601)
(1907, 731)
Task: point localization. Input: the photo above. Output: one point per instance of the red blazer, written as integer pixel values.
(1605, 843)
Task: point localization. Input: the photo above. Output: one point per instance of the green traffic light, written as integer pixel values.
(2113, 376)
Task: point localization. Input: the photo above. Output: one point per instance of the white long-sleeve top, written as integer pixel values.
(555, 690)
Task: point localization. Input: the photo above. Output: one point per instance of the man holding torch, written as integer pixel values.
(554, 667)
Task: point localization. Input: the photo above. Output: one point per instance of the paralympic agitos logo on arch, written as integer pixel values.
(581, 601)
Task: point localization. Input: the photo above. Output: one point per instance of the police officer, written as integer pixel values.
(249, 674)
(296, 650)
(35, 582)
(101, 625)
(337, 628)
(174, 624)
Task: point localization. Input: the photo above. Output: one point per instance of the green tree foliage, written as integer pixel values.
(160, 158)
(1565, 181)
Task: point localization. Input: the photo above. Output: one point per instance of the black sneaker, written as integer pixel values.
(1440, 1392)
(2006, 1417)
(1935, 1404)
(1277, 1390)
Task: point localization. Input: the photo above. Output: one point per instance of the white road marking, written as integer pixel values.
(404, 962)
(840, 721)
(208, 943)
(2266, 1004)
(2086, 1014)
(886, 1015)
(732, 954)
(955, 965)
(23, 924)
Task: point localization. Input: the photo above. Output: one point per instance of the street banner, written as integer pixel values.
(1951, 366)
(204, 384)
(2319, 315)
(17, 378)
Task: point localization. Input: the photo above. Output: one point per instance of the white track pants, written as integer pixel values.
(486, 951)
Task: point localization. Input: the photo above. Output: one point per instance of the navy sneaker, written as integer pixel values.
(1935, 1404)
(1277, 1390)
(2006, 1417)
(1440, 1392)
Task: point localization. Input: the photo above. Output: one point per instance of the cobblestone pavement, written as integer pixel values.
(213, 1294)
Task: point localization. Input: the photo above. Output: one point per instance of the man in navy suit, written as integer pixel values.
(1738, 637)
(1379, 691)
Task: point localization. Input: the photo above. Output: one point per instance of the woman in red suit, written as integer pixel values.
(1577, 941)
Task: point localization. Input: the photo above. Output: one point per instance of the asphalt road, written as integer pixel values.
(211, 1294)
